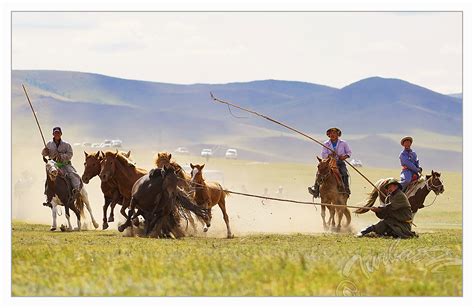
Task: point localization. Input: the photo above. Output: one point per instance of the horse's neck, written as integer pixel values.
(201, 191)
(420, 195)
(129, 173)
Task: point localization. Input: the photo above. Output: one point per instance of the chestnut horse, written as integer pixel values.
(119, 169)
(209, 194)
(110, 190)
(416, 191)
(332, 193)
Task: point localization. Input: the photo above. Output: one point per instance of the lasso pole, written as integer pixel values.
(34, 114)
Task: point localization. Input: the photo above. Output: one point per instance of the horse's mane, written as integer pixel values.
(121, 158)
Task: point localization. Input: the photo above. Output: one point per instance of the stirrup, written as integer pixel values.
(48, 204)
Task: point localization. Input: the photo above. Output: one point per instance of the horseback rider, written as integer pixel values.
(410, 164)
(61, 152)
(341, 153)
(396, 215)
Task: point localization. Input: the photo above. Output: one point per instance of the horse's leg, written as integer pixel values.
(340, 213)
(226, 217)
(128, 222)
(323, 216)
(105, 225)
(68, 217)
(85, 199)
(54, 211)
(116, 197)
(209, 211)
(332, 212)
(78, 216)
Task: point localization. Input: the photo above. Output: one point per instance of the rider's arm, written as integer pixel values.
(405, 161)
(65, 157)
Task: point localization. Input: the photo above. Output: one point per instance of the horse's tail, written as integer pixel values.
(369, 202)
(188, 203)
(347, 213)
(80, 207)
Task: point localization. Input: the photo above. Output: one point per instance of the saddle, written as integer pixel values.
(337, 174)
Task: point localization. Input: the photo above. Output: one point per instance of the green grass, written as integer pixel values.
(104, 263)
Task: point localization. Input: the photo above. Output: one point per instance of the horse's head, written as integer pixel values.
(91, 166)
(196, 173)
(163, 159)
(170, 181)
(107, 165)
(323, 166)
(434, 182)
(51, 170)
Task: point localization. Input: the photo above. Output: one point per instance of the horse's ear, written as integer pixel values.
(97, 155)
(116, 152)
(127, 154)
(202, 167)
(86, 154)
(169, 156)
(319, 159)
(432, 173)
(191, 165)
(44, 159)
(102, 154)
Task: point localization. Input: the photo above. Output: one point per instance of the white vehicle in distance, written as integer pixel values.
(231, 154)
(117, 143)
(95, 145)
(206, 152)
(182, 150)
(356, 162)
(106, 144)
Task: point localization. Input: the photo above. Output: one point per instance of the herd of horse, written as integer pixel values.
(167, 196)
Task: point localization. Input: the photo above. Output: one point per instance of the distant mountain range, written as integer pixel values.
(163, 115)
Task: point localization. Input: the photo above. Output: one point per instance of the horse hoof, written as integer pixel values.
(121, 228)
(230, 236)
(111, 219)
(205, 229)
(52, 229)
(105, 226)
(136, 222)
(96, 225)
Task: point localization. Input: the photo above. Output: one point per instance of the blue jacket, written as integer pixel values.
(409, 160)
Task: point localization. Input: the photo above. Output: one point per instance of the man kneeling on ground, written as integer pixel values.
(396, 215)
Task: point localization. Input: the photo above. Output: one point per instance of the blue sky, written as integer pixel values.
(333, 49)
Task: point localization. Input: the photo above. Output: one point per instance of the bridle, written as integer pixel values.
(433, 187)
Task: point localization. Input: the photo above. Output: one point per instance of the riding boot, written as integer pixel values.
(314, 190)
(345, 180)
(75, 193)
(366, 231)
(49, 196)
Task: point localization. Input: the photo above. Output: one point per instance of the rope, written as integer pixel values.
(284, 200)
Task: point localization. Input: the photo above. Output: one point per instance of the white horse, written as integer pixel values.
(52, 173)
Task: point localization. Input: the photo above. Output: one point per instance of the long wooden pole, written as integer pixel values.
(34, 114)
(295, 130)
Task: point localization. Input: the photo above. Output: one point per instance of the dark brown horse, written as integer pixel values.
(110, 189)
(209, 194)
(416, 192)
(160, 202)
(124, 173)
(332, 193)
(163, 159)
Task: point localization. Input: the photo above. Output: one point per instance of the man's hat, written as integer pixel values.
(337, 130)
(392, 181)
(57, 129)
(406, 138)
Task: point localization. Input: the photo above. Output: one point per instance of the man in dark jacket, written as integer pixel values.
(396, 215)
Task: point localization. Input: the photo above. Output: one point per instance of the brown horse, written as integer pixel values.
(416, 191)
(332, 193)
(124, 173)
(110, 190)
(209, 194)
